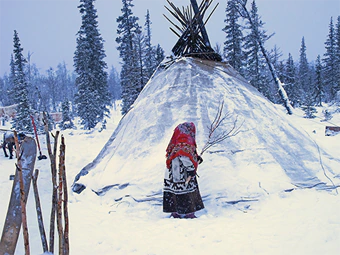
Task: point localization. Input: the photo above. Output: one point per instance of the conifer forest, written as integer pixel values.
(89, 89)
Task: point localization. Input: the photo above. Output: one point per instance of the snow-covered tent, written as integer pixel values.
(243, 167)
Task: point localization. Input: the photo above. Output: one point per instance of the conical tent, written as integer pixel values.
(243, 167)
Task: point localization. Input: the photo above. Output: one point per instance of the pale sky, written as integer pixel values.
(47, 28)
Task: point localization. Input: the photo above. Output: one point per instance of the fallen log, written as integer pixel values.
(332, 130)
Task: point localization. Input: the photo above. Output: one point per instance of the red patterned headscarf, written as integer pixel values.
(182, 143)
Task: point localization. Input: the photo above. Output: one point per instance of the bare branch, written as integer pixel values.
(215, 138)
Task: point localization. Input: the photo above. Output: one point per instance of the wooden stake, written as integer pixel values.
(22, 196)
(39, 212)
(66, 219)
(60, 199)
(52, 156)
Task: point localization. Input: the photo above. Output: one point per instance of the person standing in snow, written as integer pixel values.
(10, 143)
(181, 196)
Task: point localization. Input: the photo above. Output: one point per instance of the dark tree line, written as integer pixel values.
(90, 90)
(139, 57)
(307, 83)
(53, 90)
(33, 91)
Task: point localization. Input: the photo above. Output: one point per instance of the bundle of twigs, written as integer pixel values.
(214, 137)
(193, 40)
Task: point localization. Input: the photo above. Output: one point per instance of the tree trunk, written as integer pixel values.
(39, 212)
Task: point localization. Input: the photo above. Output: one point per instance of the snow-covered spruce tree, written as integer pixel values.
(330, 64)
(310, 96)
(128, 31)
(7, 98)
(114, 84)
(309, 109)
(274, 56)
(92, 99)
(43, 91)
(141, 51)
(232, 50)
(51, 81)
(290, 81)
(11, 79)
(32, 92)
(22, 120)
(51, 92)
(337, 53)
(3, 92)
(256, 67)
(153, 55)
(39, 88)
(67, 119)
(319, 82)
(159, 55)
(257, 34)
(65, 86)
(35, 80)
(303, 72)
(149, 56)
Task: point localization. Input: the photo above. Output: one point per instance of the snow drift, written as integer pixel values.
(131, 164)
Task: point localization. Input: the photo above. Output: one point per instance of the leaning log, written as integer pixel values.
(13, 221)
(282, 92)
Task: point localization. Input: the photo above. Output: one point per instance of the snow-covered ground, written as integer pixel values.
(268, 190)
(303, 221)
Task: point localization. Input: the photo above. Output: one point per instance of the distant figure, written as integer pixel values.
(10, 142)
(181, 196)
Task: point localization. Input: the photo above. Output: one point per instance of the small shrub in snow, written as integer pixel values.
(327, 115)
(310, 111)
